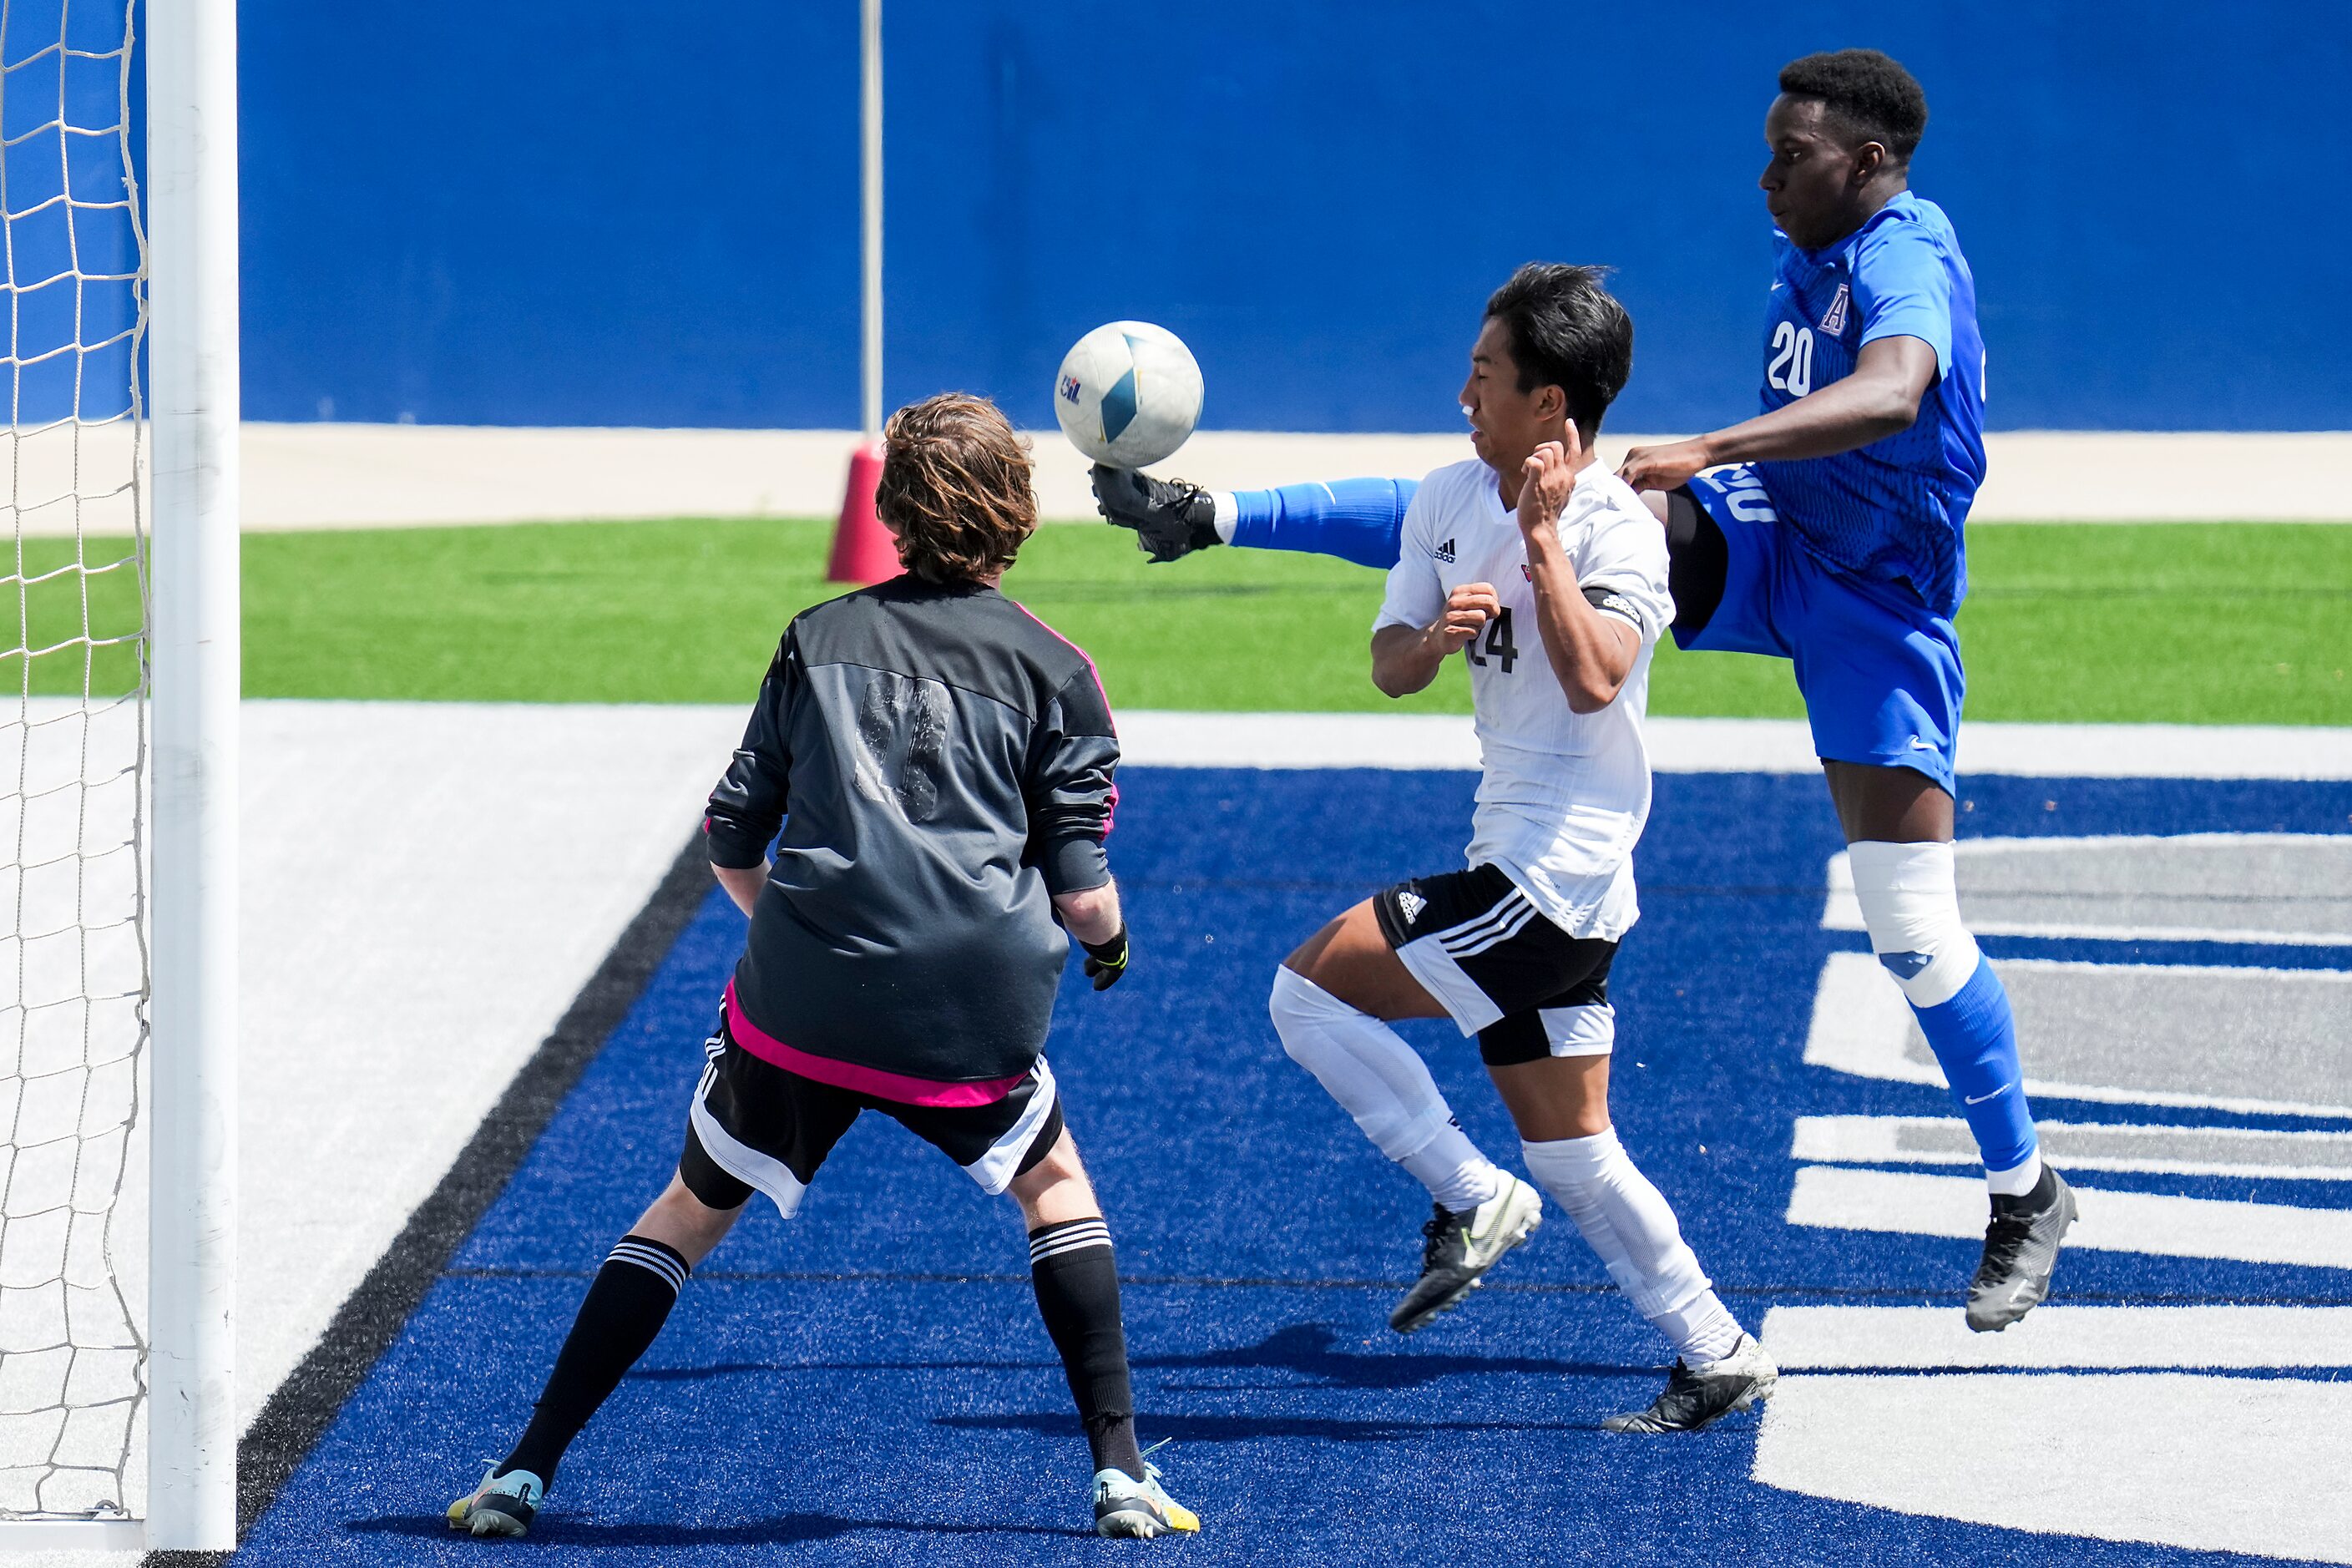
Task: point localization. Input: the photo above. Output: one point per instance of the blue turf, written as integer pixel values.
(869, 1384)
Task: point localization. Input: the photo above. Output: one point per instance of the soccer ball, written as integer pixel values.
(1127, 394)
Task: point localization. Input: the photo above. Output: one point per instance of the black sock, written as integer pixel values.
(626, 1306)
(1077, 1295)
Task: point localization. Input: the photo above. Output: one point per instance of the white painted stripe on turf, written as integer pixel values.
(2253, 1465)
(2328, 854)
(1861, 1022)
(1887, 1339)
(1906, 1203)
(1861, 1025)
(1166, 739)
(2286, 1156)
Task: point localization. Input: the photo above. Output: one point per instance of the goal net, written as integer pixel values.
(73, 751)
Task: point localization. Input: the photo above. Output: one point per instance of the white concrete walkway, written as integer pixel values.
(352, 475)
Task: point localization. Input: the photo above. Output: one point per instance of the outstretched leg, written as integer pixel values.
(626, 1305)
(1076, 1277)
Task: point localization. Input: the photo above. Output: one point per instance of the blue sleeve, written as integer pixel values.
(1905, 290)
(1355, 519)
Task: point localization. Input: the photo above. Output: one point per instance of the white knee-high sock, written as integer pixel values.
(1627, 1221)
(1382, 1083)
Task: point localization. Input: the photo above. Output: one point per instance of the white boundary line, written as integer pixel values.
(1155, 738)
(1876, 1140)
(1842, 910)
(1861, 1026)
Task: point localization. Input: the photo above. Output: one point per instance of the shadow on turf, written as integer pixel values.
(1255, 1428)
(1310, 1350)
(1313, 1350)
(785, 1530)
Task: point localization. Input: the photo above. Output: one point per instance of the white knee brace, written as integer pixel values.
(1362, 1063)
(1911, 907)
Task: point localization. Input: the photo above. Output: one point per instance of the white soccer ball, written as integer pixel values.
(1127, 394)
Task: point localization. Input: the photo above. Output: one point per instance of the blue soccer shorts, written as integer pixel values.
(1880, 673)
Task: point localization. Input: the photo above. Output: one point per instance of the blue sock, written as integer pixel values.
(1975, 1039)
(1355, 519)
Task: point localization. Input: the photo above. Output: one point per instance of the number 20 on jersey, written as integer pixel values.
(1791, 370)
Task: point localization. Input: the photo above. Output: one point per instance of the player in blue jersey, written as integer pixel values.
(1827, 530)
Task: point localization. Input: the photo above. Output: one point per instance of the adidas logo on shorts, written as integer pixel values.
(1410, 904)
(1444, 553)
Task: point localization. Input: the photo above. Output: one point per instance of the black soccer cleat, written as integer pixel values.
(1461, 1247)
(1697, 1397)
(2021, 1249)
(1171, 517)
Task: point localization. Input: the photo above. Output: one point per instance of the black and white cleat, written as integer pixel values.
(2021, 1249)
(1461, 1247)
(1699, 1397)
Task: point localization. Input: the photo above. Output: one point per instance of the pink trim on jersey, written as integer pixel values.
(1110, 806)
(896, 1086)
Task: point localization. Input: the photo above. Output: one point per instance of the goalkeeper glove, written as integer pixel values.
(1107, 960)
(1171, 517)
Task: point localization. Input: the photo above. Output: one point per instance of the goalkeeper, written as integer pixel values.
(940, 764)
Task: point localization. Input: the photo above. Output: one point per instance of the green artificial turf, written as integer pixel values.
(2158, 623)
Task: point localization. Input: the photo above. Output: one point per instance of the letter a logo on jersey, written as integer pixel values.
(1833, 319)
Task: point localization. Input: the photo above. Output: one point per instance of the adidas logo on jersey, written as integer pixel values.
(1833, 319)
(1444, 553)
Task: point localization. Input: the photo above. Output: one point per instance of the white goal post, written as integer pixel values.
(195, 641)
(118, 778)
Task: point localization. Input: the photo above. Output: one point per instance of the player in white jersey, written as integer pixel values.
(1550, 576)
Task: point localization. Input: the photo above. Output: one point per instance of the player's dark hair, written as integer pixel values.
(955, 488)
(1568, 331)
(1868, 92)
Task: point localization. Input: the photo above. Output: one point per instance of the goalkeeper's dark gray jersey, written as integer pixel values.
(939, 761)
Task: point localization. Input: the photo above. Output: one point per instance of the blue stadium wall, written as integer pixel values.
(581, 211)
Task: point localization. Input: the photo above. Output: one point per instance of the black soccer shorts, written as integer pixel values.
(1479, 945)
(757, 1126)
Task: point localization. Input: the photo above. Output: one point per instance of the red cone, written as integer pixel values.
(862, 548)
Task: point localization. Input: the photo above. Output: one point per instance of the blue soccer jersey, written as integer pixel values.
(1892, 510)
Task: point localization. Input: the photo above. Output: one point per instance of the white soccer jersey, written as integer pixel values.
(1563, 794)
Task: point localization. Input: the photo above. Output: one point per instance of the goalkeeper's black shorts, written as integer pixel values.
(755, 1126)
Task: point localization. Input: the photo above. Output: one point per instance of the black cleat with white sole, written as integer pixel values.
(2021, 1249)
(1460, 1249)
(1697, 1397)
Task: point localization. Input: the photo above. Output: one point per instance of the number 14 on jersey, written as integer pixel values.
(1499, 646)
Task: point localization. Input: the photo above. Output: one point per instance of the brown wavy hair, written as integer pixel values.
(955, 488)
